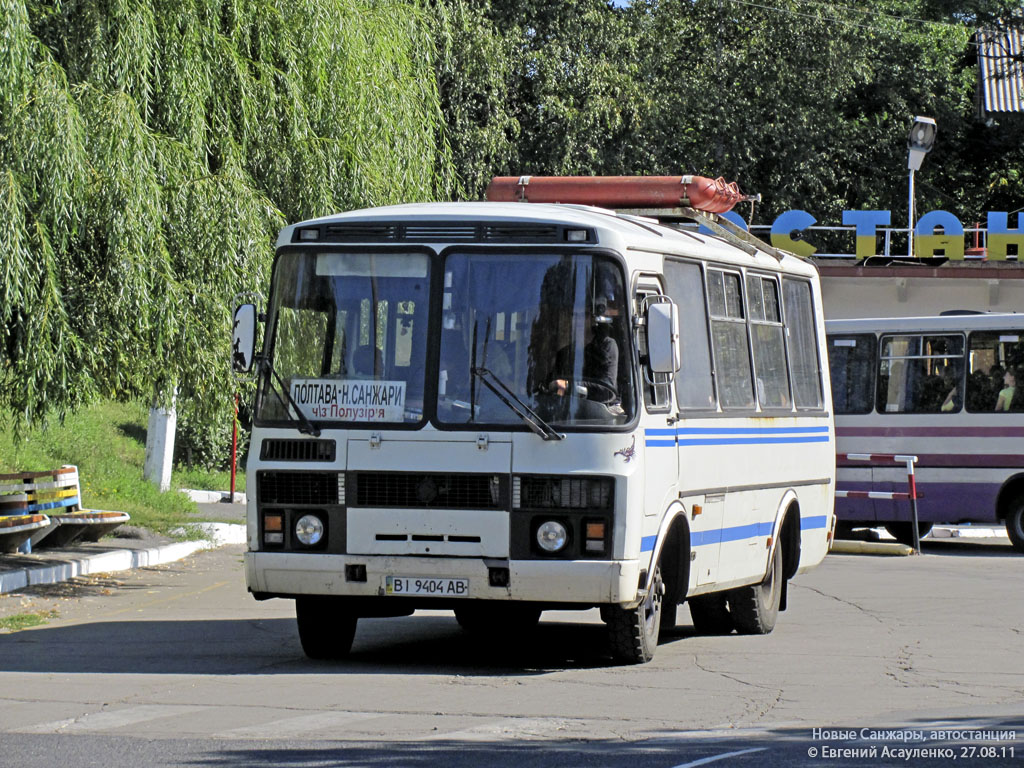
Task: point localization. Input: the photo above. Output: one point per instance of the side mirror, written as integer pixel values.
(663, 337)
(243, 344)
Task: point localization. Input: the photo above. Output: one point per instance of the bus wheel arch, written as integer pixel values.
(790, 544)
(674, 560)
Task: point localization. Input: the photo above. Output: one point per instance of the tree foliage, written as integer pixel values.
(150, 149)
(149, 152)
(808, 102)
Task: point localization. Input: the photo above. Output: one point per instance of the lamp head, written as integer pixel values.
(921, 141)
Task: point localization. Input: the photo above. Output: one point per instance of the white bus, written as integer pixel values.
(474, 406)
(944, 389)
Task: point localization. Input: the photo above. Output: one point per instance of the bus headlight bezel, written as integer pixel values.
(310, 530)
(552, 536)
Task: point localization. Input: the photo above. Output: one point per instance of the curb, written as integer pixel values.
(213, 497)
(120, 559)
(847, 547)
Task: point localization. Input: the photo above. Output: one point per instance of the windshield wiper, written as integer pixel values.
(306, 427)
(519, 408)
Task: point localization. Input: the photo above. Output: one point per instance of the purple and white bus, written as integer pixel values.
(947, 389)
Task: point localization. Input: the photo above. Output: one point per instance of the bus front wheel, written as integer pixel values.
(1015, 524)
(633, 632)
(755, 608)
(326, 631)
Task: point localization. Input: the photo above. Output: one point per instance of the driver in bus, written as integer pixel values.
(600, 361)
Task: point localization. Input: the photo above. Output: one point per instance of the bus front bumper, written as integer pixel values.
(585, 582)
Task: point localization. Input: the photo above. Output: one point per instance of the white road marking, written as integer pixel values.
(714, 758)
(506, 728)
(110, 720)
(301, 726)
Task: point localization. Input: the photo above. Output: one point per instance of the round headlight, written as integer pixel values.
(309, 530)
(552, 536)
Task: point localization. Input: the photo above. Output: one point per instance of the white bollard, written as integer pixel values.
(160, 446)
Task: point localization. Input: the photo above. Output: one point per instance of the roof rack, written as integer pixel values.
(663, 198)
(717, 223)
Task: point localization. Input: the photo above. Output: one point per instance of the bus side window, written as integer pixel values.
(656, 396)
(769, 344)
(803, 345)
(992, 354)
(920, 374)
(729, 340)
(694, 386)
(852, 365)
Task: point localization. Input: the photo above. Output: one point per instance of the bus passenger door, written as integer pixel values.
(661, 454)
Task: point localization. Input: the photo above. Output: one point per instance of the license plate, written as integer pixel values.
(423, 585)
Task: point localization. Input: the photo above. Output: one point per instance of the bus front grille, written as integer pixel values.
(317, 488)
(428, 490)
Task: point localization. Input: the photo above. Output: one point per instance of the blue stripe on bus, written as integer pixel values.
(744, 430)
(764, 440)
(662, 438)
(810, 523)
(736, 533)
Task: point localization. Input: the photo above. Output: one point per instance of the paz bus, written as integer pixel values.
(506, 407)
(947, 389)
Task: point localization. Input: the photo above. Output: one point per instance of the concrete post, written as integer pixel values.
(160, 446)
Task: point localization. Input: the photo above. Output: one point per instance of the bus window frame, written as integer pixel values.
(774, 278)
(873, 364)
(738, 272)
(882, 336)
(712, 407)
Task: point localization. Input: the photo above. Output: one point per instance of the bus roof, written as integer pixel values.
(936, 323)
(492, 223)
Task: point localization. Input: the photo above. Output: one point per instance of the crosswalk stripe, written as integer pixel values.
(303, 726)
(111, 719)
(506, 728)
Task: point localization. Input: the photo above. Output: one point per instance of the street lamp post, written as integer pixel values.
(920, 143)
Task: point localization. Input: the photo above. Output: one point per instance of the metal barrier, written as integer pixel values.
(910, 495)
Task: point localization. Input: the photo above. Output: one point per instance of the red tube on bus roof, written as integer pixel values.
(700, 192)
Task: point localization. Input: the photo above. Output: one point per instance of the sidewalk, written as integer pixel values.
(128, 548)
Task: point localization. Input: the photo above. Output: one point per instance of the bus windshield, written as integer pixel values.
(552, 329)
(348, 336)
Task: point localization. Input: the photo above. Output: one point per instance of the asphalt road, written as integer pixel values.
(177, 665)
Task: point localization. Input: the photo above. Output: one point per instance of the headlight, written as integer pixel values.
(309, 530)
(552, 536)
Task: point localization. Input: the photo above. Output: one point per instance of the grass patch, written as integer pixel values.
(107, 442)
(20, 621)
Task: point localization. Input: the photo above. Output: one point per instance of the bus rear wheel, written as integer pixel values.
(633, 632)
(904, 532)
(756, 608)
(1015, 524)
(325, 630)
(710, 614)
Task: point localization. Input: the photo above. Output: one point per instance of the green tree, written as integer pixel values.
(150, 150)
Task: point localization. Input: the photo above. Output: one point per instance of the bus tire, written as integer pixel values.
(498, 620)
(756, 608)
(710, 614)
(1015, 524)
(904, 533)
(633, 632)
(325, 631)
